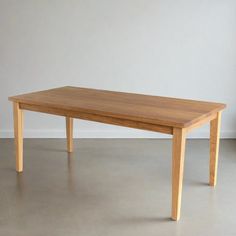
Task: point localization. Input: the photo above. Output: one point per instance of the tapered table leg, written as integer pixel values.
(18, 131)
(69, 133)
(179, 141)
(214, 148)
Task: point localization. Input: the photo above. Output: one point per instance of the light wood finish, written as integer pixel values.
(160, 114)
(202, 122)
(100, 118)
(69, 133)
(18, 130)
(214, 148)
(171, 112)
(178, 154)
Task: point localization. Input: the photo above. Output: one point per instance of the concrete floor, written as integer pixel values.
(114, 187)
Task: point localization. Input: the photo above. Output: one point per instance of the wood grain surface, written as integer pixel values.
(147, 109)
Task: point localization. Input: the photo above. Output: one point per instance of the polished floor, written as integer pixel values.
(114, 187)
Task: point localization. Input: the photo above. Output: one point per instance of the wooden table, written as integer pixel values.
(160, 114)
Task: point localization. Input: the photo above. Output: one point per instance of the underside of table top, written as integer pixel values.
(153, 110)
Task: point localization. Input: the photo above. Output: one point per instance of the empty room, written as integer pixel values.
(117, 118)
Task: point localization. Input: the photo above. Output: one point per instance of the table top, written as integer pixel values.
(157, 110)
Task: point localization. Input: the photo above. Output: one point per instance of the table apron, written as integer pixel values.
(98, 118)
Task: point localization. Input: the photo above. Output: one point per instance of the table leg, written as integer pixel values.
(179, 140)
(214, 148)
(69, 133)
(18, 131)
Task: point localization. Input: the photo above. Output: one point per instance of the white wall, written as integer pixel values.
(180, 48)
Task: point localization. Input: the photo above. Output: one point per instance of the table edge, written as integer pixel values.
(162, 123)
